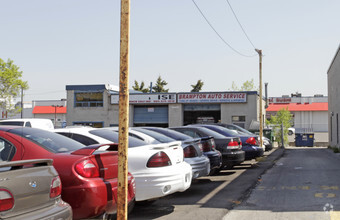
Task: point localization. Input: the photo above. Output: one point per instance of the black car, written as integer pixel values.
(207, 146)
(266, 141)
(230, 148)
(250, 144)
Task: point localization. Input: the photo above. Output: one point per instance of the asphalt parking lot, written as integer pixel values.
(209, 197)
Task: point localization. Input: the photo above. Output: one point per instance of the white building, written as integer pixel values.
(333, 75)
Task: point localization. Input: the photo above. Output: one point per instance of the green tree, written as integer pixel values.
(198, 86)
(10, 85)
(159, 87)
(140, 87)
(283, 117)
(246, 86)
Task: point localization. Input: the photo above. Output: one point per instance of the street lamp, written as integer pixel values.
(55, 112)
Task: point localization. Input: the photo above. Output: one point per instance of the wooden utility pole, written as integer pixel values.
(261, 114)
(123, 111)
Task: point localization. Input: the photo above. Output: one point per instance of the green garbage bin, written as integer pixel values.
(268, 133)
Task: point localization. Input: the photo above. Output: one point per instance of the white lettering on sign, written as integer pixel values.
(212, 97)
(147, 98)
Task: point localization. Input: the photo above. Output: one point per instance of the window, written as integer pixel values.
(91, 124)
(89, 99)
(239, 120)
(7, 150)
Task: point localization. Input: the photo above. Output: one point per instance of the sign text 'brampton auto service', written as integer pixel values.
(212, 97)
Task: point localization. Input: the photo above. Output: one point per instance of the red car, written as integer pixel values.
(89, 177)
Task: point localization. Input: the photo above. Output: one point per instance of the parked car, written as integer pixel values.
(31, 189)
(206, 144)
(250, 144)
(89, 179)
(193, 155)
(41, 123)
(158, 169)
(266, 142)
(230, 148)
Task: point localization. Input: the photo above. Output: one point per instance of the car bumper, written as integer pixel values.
(102, 195)
(200, 166)
(215, 158)
(162, 181)
(252, 152)
(233, 158)
(60, 210)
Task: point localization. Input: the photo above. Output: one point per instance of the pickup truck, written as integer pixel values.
(31, 189)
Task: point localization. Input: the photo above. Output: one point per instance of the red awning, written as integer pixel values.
(49, 110)
(296, 107)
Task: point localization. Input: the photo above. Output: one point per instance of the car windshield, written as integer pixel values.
(159, 137)
(113, 137)
(237, 128)
(172, 134)
(52, 142)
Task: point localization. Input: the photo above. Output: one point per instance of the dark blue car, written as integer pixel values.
(250, 143)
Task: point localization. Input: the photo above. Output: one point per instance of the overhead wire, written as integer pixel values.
(225, 42)
(240, 24)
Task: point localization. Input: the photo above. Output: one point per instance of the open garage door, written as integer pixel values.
(151, 116)
(209, 113)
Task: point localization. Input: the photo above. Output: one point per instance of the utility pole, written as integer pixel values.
(122, 199)
(22, 102)
(260, 87)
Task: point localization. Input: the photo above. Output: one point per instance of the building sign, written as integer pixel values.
(219, 97)
(148, 98)
(280, 100)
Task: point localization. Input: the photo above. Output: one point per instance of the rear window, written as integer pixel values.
(113, 137)
(159, 137)
(171, 133)
(52, 142)
(15, 123)
(209, 132)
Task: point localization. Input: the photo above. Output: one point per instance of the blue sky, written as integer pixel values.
(59, 43)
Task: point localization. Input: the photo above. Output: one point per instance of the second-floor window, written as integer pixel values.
(89, 99)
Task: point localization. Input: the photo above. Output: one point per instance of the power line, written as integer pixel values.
(219, 34)
(240, 24)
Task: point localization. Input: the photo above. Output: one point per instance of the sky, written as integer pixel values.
(77, 42)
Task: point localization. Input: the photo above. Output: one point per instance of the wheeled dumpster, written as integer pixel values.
(304, 139)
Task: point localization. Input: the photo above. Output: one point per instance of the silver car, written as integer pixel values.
(192, 148)
(31, 189)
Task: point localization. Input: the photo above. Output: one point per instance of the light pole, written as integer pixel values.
(260, 88)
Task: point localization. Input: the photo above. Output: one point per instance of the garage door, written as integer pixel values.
(151, 115)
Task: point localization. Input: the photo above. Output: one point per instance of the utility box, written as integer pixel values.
(304, 139)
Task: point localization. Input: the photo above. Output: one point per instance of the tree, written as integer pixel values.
(283, 117)
(140, 87)
(246, 86)
(11, 85)
(198, 86)
(159, 87)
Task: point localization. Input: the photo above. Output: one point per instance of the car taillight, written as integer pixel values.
(213, 146)
(55, 187)
(6, 200)
(252, 141)
(234, 144)
(190, 151)
(87, 169)
(206, 146)
(159, 159)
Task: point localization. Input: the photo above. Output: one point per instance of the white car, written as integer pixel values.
(159, 169)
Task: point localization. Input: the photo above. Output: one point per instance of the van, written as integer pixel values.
(41, 123)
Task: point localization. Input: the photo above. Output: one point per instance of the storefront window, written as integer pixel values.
(89, 99)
